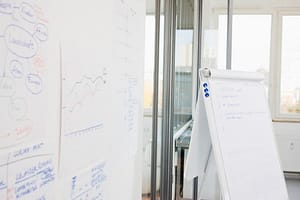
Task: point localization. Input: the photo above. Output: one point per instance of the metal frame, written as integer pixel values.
(168, 101)
(198, 54)
(168, 91)
(155, 102)
(199, 42)
(276, 89)
(229, 34)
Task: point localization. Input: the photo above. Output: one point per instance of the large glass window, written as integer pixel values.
(183, 62)
(150, 23)
(290, 66)
(251, 51)
(251, 40)
(251, 43)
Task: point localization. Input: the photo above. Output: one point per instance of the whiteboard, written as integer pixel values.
(24, 43)
(71, 82)
(200, 160)
(101, 108)
(242, 137)
(28, 172)
(28, 97)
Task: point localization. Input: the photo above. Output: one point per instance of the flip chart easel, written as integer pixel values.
(242, 138)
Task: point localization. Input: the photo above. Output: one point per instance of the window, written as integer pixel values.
(148, 100)
(183, 63)
(290, 66)
(149, 62)
(183, 78)
(251, 40)
(251, 51)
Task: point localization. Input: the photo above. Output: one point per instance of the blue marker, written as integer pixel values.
(206, 90)
(205, 85)
(206, 94)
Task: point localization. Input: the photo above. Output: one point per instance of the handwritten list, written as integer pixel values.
(27, 173)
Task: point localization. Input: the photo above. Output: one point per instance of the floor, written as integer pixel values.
(293, 186)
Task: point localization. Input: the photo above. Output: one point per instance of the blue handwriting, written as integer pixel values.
(84, 131)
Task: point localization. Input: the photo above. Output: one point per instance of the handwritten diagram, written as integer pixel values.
(77, 98)
(130, 111)
(23, 39)
(85, 85)
(125, 28)
(27, 173)
(82, 89)
(90, 184)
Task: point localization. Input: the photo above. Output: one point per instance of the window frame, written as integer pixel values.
(278, 116)
(275, 67)
(272, 70)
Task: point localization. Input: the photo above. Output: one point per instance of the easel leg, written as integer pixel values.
(195, 188)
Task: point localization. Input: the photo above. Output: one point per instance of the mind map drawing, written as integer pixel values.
(23, 40)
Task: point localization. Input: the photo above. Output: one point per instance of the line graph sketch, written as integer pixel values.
(85, 83)
(81, 90)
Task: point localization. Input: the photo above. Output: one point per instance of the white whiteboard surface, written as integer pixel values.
(242, 136)
(87, 184)
(200, 159)
(84, 122)
(24, 72)
(102, 85)
(28, 172)
(28, 100)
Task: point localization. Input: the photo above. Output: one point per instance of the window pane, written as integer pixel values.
(251, 39)
(148, 98)
(148, 92)
(251, 43)
(290, 65)
(183, 63)
(222, 42)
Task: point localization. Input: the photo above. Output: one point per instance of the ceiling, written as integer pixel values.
(237, 4)
(257, 3)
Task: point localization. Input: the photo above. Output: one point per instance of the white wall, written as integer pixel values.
(288, 140)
